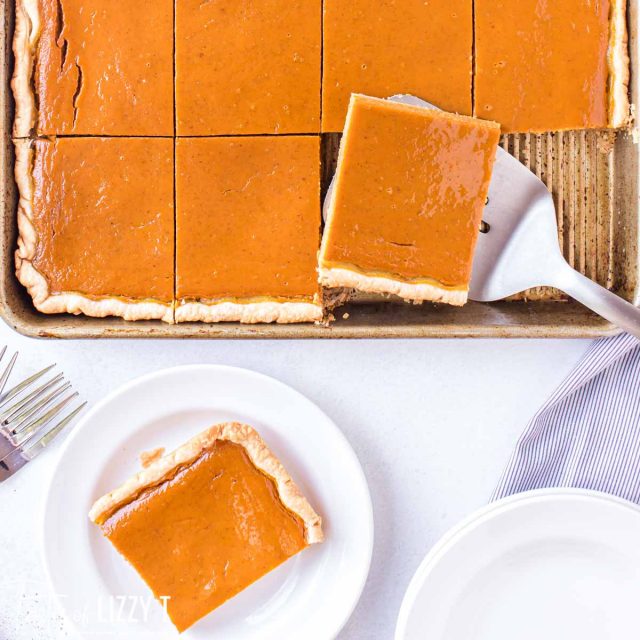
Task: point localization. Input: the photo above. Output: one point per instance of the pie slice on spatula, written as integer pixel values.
(206, 521)
(404, 213)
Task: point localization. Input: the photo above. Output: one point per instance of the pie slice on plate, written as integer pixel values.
(93, 67)
(410, 188)
(95, 234)
(206, 521)
(551, 66)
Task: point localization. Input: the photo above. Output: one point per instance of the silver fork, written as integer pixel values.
(31, 415)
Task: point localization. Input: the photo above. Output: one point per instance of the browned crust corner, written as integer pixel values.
(25, 41)
(259, 454)
(334, 277)
(34, 280)
(618, 61)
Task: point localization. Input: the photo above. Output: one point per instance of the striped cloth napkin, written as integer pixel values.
(587, 435)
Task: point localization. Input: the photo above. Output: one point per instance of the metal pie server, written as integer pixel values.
(519, 246)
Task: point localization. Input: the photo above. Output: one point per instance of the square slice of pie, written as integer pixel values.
(93, 67)
(552, 66)
(410, 188)
(95, 233)
(248, 66)
(206, 521)
(248, 229)
(389, 47)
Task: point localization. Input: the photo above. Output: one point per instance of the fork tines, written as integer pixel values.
(32, 414)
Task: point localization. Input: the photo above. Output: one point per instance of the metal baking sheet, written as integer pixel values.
(594, 177)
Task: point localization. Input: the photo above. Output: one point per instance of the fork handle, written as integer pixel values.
(11, 463)
(605, 303)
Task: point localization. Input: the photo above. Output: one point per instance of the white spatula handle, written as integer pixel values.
(598, 299)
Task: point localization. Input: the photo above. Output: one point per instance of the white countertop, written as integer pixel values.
(432, 423)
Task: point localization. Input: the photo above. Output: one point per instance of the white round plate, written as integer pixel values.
(549, 564)
(311, 596)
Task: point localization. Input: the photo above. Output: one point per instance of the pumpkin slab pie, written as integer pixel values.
(396, 46)
(248, 66)
(552, 66)
(206, 521)
(410, 188)
(96, 236)
(248, 229)
(92, 67)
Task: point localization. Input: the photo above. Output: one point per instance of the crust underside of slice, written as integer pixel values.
(280, 312)
(259, 454)
(35, 281)
(337, 277)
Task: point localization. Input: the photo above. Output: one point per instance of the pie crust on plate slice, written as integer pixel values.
(550, 66)
(406, 46)
(248, 229)
(93, 67)
(410, 188)
(248, 66)
(95, 233)
(204, 522)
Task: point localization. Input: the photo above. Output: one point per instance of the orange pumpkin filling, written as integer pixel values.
(218, 525)
(389, 47)
(105, 67)
(248, 219)
(542, 66)
(248, 66)
(208, 520)
(103, 228)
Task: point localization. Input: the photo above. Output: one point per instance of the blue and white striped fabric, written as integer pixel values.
(587, 435)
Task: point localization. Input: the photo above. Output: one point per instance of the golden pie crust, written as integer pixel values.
(265, 311)
(335, 277)
(26, 255)
(25, 40)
